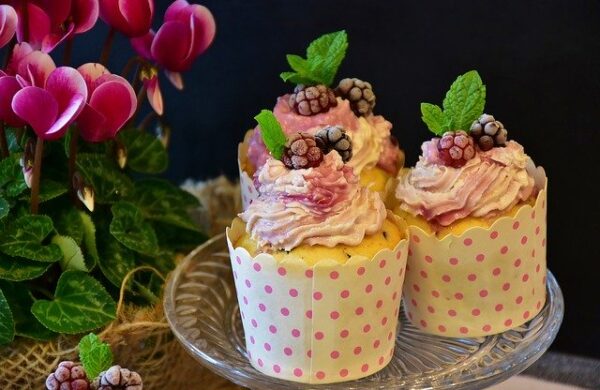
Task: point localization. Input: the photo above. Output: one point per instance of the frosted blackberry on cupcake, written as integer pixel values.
(318, 262)
(315, 103)
(476, 206)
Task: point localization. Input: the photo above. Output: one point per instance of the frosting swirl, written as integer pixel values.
(490, 183)
(324, 205)
(370, 136)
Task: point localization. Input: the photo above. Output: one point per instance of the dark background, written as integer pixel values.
(540, 61)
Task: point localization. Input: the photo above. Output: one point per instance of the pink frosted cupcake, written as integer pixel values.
(314, 105)
(318, 265)
(476, 206)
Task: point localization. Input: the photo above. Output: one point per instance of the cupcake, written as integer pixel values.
(476, 207)
(314, 104)
(318, 264)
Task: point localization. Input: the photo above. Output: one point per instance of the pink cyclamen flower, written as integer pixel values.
(51, 109)
(46, 23)
(31, 67)
(8, 24)
(9, 86)
(111, 103)
(130, 17)
(187, 31)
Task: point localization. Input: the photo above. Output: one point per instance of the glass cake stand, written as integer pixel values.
(201, 307)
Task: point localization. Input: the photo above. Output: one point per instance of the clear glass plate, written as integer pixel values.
(201, 307)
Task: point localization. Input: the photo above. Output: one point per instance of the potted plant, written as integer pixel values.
(87, 230)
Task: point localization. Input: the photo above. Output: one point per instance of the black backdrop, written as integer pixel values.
(539, 59)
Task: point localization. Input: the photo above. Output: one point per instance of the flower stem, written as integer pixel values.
(107, 47)
(37, 172)
(73, 161)
(68, 53)
(145, 123)
(140, 98)
(133, 61)
(3, 143)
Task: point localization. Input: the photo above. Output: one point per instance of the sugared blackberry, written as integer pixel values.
(68, 376)
(359, 93)
(312, 100)
(488, 132)
(335, 138)
(302, 152)
(118, 378)
(456, 148)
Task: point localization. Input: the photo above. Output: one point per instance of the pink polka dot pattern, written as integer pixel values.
(482, 282)
(298, 317)
(249, 192)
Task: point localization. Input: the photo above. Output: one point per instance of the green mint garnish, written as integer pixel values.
(323, 58)
(271, 132)
(95, 355)
(463, 104)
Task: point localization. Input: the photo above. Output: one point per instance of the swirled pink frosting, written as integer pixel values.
(370, 136)
(487, 185)
(316, 206)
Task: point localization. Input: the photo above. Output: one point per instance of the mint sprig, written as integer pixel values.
(323, 58)
(95, 355)
(271, 132)
(464, 103)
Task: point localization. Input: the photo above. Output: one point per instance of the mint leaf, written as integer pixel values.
(271, 132)
(80, 304)
(130, 229)
(324, 56)
(145, 152)
(103, 174)
(7, 325)
(434, 118)
(95, 355)
(464, 101)
(72, 255)
(16, 269)
(20, 302)
(25, 238)
(4, 207)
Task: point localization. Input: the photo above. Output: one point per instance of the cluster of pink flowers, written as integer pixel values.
(37, 93)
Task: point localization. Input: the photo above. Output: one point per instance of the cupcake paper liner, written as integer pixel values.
(482, 282)
(247, 188)
(321, 323)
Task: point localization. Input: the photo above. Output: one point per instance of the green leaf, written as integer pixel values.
(434, 118)
(161, 201)
(4, 207)
(103, 174)
(25, 238)
(50, 189)
(7, 325)
(177, 239)
(271, 132)
(20, 302)
(95, 355)
(69, 223)
(130, 229)
(80, 304)
(323, 58)
(11, 176)
(15, 269)
(145, 152)
(72, 258)
(465, 100)
(115, 261)
(89, 239)
(12, 139)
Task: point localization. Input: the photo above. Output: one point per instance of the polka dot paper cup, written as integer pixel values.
(483, 282)
(325, 323)
(248, 190)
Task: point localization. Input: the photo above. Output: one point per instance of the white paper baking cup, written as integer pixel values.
(324, 323)
(482, 282)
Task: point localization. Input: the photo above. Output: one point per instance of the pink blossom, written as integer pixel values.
(130, 17)
(8, 24)
(188, 30)
(9, 86)
(49, 110)
(31, 67)
(47, 23)
(111, 103)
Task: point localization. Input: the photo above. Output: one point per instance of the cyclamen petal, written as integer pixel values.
(35, 26)
(66, 83)
(37, 107)
(35, 68)
(175, 79)
(8, 24)
(154, 95)
(132, 18)
(201, 21)
(171, 47)
(143, 45)
(9, 86)
(85, 14)
(91, 72)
